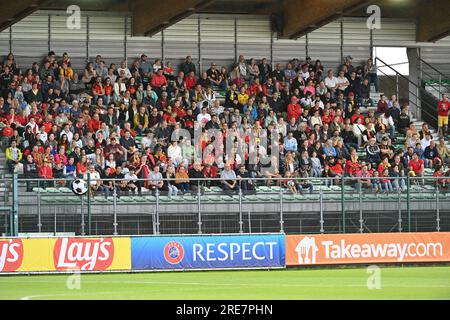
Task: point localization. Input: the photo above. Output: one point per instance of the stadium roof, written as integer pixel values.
(291, 18)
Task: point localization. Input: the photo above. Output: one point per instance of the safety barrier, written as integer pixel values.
(204, 252)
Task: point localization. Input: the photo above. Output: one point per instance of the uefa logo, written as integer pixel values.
(173, 252)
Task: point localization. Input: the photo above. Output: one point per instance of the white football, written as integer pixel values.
(79, 187)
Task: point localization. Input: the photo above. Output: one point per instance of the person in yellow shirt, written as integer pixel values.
(13, 156)
(243, 97)
(66, 71)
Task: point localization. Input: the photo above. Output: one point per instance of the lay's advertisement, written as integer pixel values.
(63, 254)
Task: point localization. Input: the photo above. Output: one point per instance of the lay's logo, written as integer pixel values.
(11, 255)
(83, 253)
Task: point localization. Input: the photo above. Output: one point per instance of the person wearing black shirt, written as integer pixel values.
(127, 141)
(264, 70)
(245, 184)
(196, 173)
(328, 99)
(355, 83)
(430, 153)
(213, 123)
(5, 78)
(350, 140)
(30, 171)
(277, 104)
(120, 184)
(204, 81)
(278, 74)
(214, 75)
(364, 93)
(188, 66)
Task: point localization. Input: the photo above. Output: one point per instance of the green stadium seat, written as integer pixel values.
(371, 196)
(150, 198)
(250, 197)
(126, 199)
(312, 196)
(189, 198)
(225, 198)
(139, 198)
(100, 199)
(164, 199)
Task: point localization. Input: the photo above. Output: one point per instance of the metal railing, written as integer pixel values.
(424, 108)
(333, 205)
(438, 77)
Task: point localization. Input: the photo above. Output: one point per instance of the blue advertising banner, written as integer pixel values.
(205, 252)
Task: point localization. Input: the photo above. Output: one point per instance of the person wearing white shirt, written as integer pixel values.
(342, 81)
(33, 125)
(217, 108)
(94, 180)
(242, 66)
(425, 142)
(331, 81)
(119, 89)
(67, 132)
(387, 120)
(147, 141)
(123, 70)
(43, 135)
(174, 152)
(358, 129)
(204, 117)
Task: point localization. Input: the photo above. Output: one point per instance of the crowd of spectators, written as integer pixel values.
(57, 123)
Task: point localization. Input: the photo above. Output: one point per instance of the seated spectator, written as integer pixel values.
(13, 157)
(373, 151)
(416, 166)
(182, 179)
(228, 179)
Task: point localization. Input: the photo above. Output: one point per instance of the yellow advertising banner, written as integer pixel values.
(64, 254)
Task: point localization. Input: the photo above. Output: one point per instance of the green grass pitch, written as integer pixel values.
(396, 283)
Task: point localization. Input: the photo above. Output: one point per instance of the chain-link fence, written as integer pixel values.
(293, 206)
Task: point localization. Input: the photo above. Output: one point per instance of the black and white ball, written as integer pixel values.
(291, 183)
(79, 187)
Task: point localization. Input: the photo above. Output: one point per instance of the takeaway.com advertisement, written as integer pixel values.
(367, 248)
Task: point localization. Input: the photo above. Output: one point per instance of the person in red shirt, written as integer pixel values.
(7, 131)
(416, 166)
(158, 80)
(357, 115)
(97, 89)
(327, 117)
(382, 105)
(190, 81)
(443, 111)
(108, 88)
(294, 110)
(94, 124)
(46, 172)
(439, 173)
(82, 167)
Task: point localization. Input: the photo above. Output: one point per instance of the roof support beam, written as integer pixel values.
(434, 23)
(152, 16)
(16, 10)
(300, 17)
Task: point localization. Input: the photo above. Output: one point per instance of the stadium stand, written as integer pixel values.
(112, 123)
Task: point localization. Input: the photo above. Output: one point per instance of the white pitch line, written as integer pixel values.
(247, 284)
